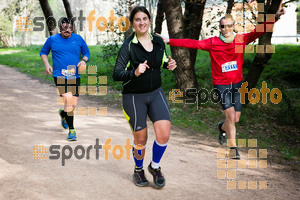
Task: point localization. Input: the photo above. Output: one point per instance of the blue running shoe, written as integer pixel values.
(72, 135)
(64, 123)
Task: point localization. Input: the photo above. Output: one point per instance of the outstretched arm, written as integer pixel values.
(280, 11)
(263, 28)
(165, 39)
(188, 43)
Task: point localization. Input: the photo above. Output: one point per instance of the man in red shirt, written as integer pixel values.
(227, 58)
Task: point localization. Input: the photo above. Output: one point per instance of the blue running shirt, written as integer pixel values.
(65, 52)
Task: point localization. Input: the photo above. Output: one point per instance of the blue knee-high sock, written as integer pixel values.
(157, 153)
(138, 163)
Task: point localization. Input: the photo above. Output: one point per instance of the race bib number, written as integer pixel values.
(229, 66)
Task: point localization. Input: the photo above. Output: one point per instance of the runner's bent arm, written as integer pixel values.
(120, 72)
(44, 56)
(168, 62)
(85, 52)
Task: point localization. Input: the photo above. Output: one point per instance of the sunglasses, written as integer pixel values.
(228, 26)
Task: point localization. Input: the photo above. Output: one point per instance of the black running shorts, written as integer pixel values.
(230, 96)
(136, 107)
(67, 85)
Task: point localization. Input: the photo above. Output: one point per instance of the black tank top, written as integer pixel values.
(151, 58)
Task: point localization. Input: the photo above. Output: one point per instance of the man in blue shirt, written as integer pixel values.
(66, 48)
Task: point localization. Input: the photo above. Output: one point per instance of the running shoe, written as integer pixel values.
(72, 135)
(139, 178)
(158, 177)
(222, 134)
(64, 123)
(234, 153)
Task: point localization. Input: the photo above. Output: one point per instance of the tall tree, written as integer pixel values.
(159, 17)
(193, 16)
(187, 26)
(69, 12)
(150, 4)
(68, 9)
(51, 22)
(6, 30)
(7, 17)
(230, 4)
(184, 74)
(130, 5)
(261, 59)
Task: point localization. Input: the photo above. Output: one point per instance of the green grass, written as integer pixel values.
(10, 49)
(275, 126)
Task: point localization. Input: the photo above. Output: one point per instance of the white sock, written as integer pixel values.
(154, 165)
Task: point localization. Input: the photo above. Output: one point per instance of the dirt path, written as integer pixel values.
(29, 117)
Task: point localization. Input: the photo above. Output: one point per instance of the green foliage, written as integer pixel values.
(14, 8)
(7, 16)
(283, 69)
(5, 25)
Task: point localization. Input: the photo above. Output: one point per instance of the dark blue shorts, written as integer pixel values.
(136, 107)
(230, 96)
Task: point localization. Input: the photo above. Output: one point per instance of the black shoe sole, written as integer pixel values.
(138, 184)
(236, 157)
(156, 184)
(222, 139)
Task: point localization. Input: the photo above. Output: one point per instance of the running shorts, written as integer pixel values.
(136, 107)
(67, 85)
(230, 96)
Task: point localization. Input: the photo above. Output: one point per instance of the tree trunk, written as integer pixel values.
(130, 7)
(69, 12)
(259, 62)
(159, 17)
(230, 4)
(193, 16)
(23, 39)
(184, 74)
(261, 59)
(5, 41)
(51, 22)
(150, 11)
(68, 9)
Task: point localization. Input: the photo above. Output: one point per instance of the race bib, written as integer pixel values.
(70, 71)
(229, 66)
